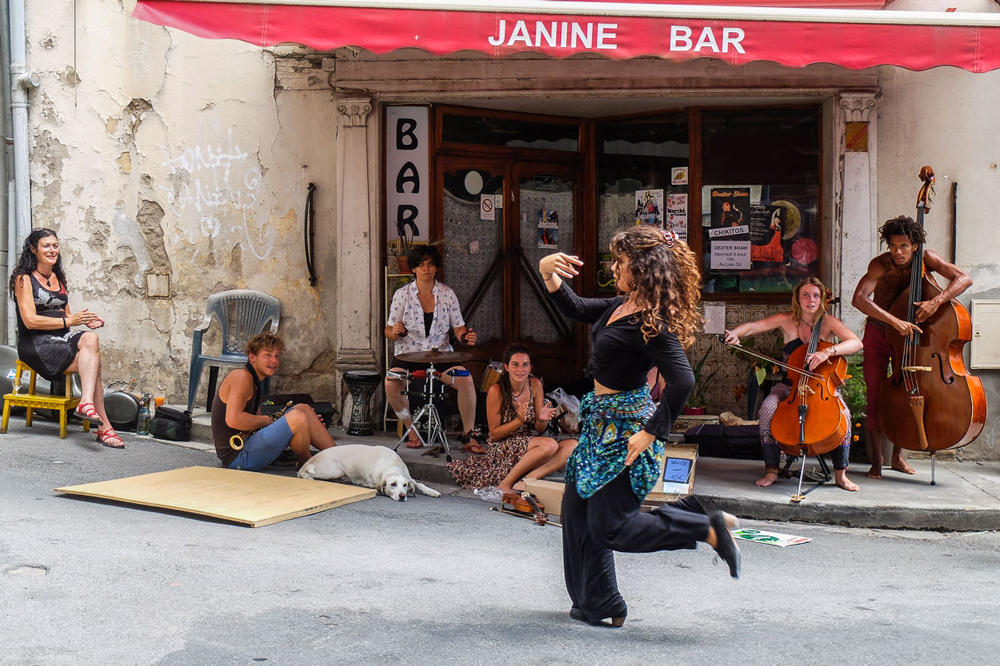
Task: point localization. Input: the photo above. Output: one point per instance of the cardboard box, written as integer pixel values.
(676, 474)
(676, 480)
(549, 493)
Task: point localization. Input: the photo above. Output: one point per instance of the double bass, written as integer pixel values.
(930, 402)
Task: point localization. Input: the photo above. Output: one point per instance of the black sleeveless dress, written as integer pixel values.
(48, 352)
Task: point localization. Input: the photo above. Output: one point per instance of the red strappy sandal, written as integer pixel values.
(86, 410)
(110, 439)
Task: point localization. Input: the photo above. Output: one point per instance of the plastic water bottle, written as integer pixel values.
(142, 427)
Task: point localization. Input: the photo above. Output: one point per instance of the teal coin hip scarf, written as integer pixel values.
(606, 423)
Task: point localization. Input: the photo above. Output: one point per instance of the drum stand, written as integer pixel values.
(428, 413)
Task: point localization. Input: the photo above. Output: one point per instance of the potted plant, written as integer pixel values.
(696, 400)
(855, 396)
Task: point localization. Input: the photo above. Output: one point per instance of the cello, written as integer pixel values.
(930, 402)
(810, 421)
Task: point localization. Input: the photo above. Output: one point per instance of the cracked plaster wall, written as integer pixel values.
(168, 153)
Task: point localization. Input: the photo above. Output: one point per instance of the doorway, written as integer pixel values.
(498, 217)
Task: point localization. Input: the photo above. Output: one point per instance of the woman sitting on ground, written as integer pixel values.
(517, 411)
(45, 340)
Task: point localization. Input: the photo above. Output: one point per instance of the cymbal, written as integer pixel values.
(435, 357)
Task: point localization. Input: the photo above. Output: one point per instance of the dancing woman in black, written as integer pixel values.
(617, 462)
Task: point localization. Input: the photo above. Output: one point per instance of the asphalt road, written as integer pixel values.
(445, 581)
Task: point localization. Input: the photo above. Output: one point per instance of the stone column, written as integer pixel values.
(856, 196)
(356, 300)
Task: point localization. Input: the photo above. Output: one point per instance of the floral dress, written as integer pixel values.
(493, 466)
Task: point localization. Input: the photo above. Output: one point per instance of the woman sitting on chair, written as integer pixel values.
(808, 304)
(420, 318)
(517, 411)
(45, 340)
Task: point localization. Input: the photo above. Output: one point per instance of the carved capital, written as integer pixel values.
(856, 106)
(356, 359)
(354, 112)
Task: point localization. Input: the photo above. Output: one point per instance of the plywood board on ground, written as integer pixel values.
(249, 498)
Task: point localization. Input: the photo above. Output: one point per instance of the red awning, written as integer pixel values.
(855, 39)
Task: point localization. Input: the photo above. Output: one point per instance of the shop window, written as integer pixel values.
(760, 199)
(642, 178)
(510, 132)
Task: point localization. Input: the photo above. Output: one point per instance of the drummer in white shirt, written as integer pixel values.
(420, 318)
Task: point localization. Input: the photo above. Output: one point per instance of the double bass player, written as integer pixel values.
(889, 276)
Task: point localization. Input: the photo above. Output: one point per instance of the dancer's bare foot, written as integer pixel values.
(900, 465)
(767, 479)
(843, 481)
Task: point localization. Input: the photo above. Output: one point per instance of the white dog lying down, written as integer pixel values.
(375, 467)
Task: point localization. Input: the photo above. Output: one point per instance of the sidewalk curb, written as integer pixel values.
(895, 518)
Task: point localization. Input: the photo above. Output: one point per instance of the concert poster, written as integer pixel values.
(649, 207)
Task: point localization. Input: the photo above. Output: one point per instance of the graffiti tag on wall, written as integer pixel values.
(211, 182)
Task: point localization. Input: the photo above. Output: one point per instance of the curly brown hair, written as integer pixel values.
(263, 341)
(902, 226)
(664, 278)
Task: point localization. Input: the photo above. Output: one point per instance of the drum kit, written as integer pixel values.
(427, 420)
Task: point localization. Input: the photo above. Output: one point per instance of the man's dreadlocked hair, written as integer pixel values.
(902, 226)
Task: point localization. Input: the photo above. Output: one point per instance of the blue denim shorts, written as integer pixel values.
(261, 448)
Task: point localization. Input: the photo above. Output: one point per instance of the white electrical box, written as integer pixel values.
(985, 334)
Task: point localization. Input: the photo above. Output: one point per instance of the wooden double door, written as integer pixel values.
(498, 217)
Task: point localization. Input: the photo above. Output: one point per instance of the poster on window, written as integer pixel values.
(605, 275)
(676, 219)
(649, 207)
(548, 229)
(759, 238)
(731, 210)
(766, 227)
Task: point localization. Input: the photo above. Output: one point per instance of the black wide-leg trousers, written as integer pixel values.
(610, 520)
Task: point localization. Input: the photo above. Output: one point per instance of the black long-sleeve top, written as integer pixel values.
(620, 359)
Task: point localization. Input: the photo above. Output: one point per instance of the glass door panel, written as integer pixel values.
(546, 226)
(474, 244)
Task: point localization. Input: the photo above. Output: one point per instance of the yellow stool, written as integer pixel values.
(31, 401)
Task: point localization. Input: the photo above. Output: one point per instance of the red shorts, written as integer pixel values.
(877, 356)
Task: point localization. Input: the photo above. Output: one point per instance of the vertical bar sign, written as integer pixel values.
(406, 166)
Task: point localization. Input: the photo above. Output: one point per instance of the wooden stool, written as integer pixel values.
(31, 401)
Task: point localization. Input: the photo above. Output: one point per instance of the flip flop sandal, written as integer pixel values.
(414, 442)
(474, 447)
(110, 439)
(86, 410)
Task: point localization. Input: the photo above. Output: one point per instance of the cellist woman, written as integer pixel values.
(808, 304)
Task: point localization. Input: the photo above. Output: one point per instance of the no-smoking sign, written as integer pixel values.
(486, 210)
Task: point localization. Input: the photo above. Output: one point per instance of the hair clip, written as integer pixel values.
(669, 237)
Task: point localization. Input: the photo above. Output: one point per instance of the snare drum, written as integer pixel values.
(492, 375)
